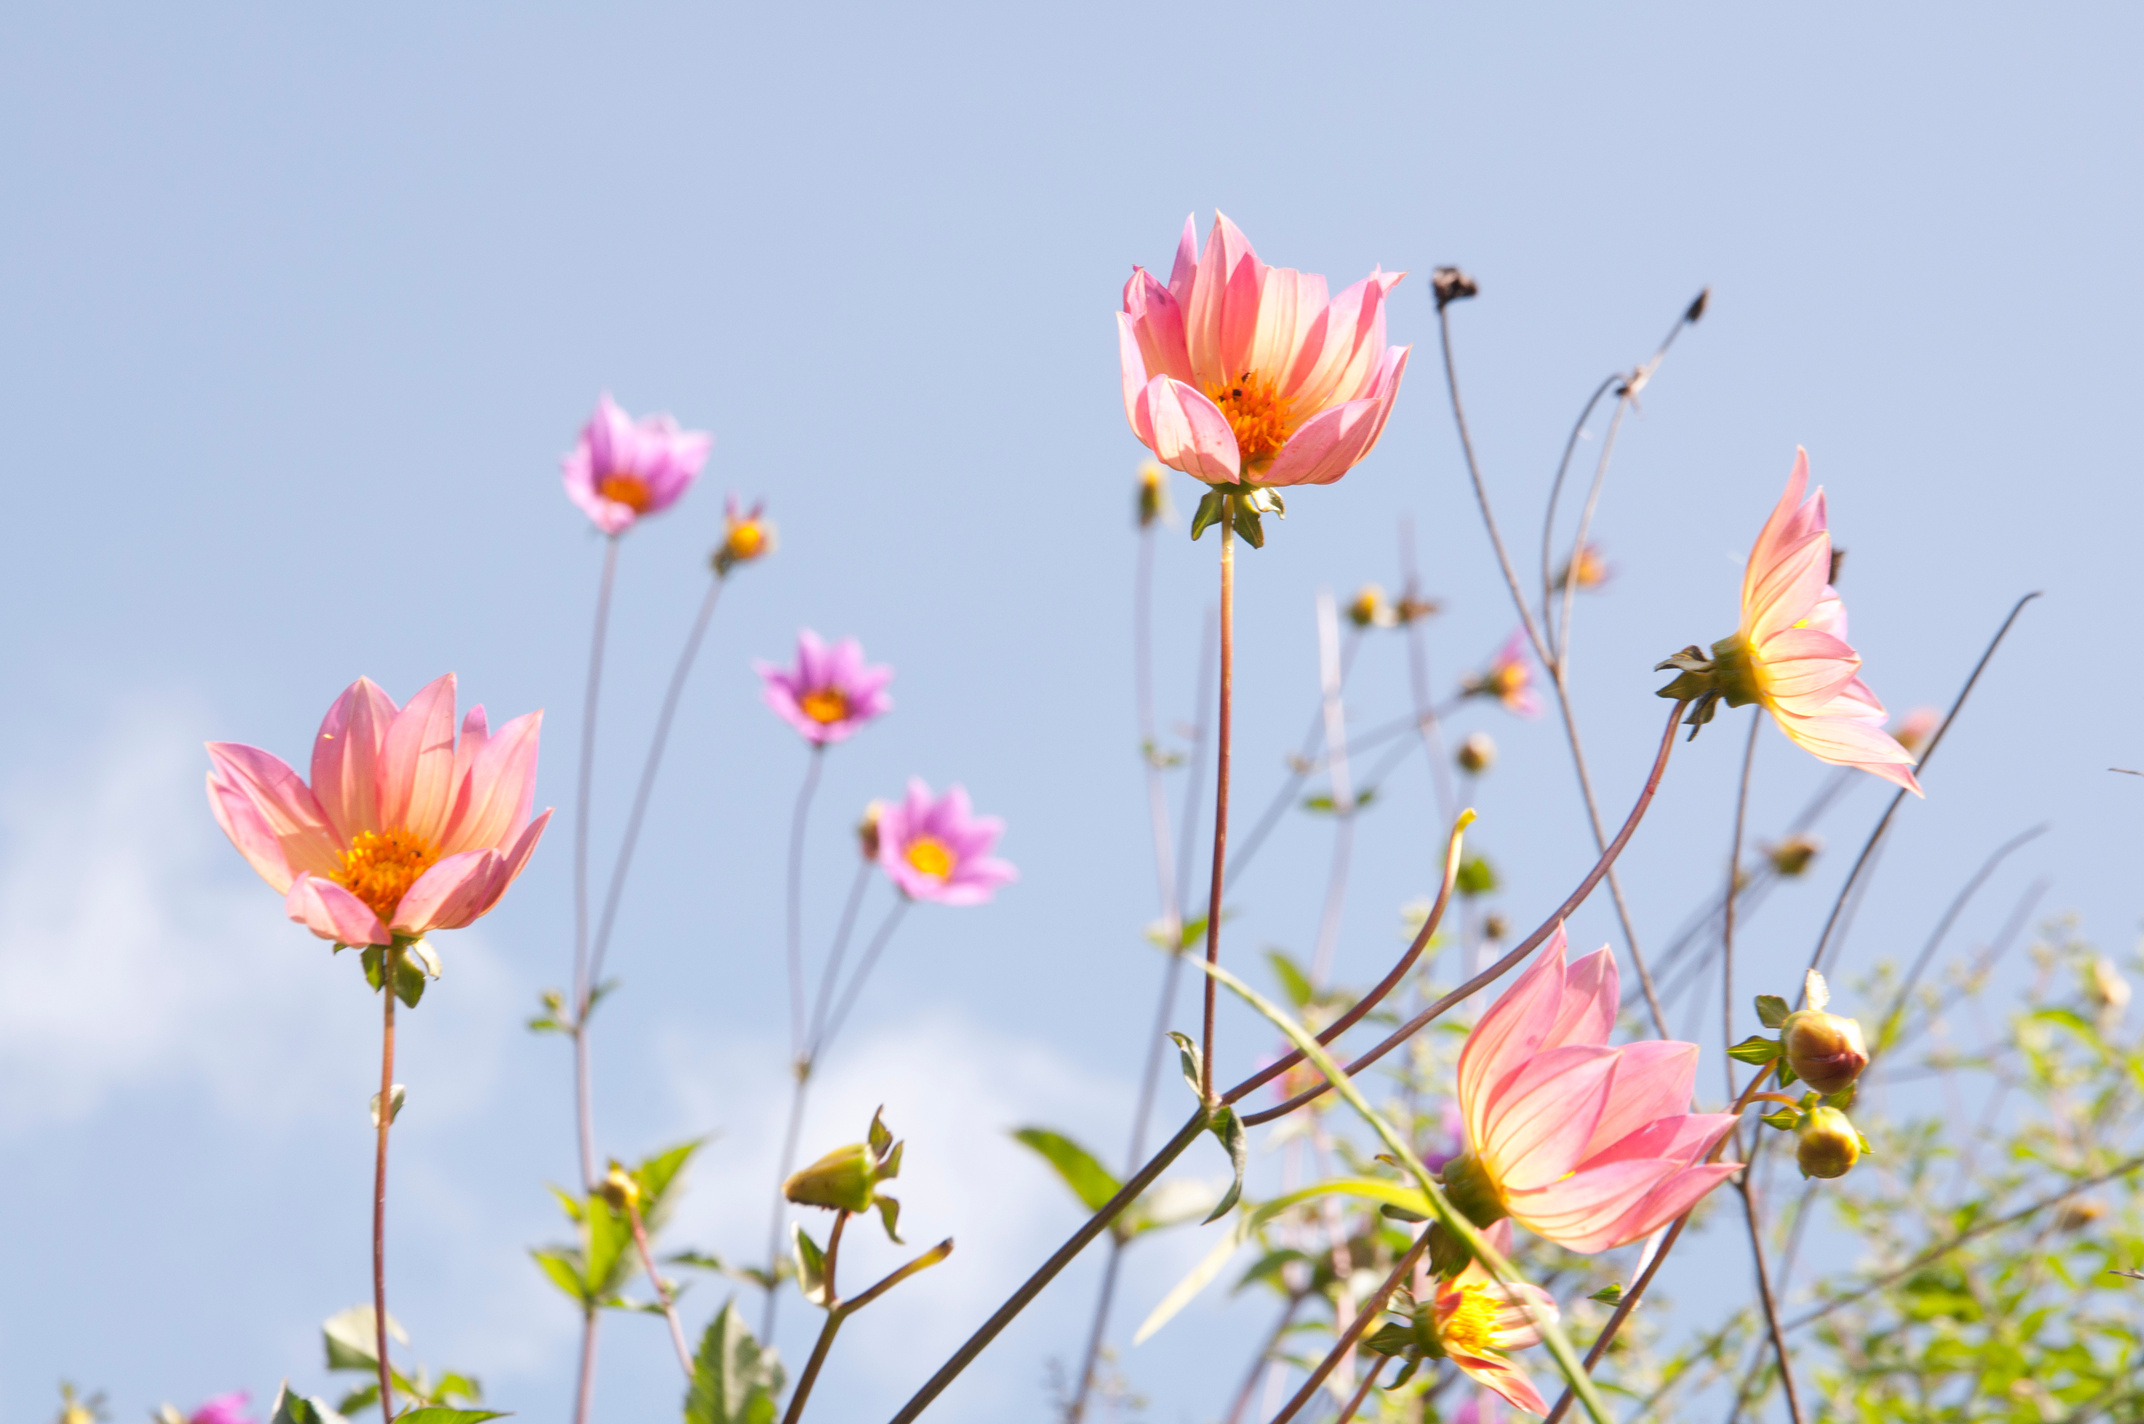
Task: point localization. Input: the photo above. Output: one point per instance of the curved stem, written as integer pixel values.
(583, 989)
(1766, 1298)
(817, 1034)
(1077, 1409)
(1371, 1309)
(663, 719)
(1727, 922)
(799, 1086)
(1224, 725)
(1555, 491)
(797, 819)
(1481, 492)
(864, 966)
(662, 1292)
(1502, 966)
(390, 961)
(1562, 640)
(1362, 1391)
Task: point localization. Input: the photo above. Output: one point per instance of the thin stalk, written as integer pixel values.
(390, 961)
(1636, 1292)
(834, 1316)
(1555, 491)
(1500, 967)
(1225, 727)
(662, 1292)
(653, 764)
(1727, 922)
(1578, 542)
(1343, 791)
(1362, 1391)
(864, 967)
(1371, 1309)
(801, 1072)
(1823, 940)
(862, 882)
(1425, 718)
(1766, 1299)
(585, 1391)
(799, 1047)
(1078, 1407)
(583, 987)
(1260, 1361)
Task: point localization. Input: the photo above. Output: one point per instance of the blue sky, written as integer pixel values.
(301, 309)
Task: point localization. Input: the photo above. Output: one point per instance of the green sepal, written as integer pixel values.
(369, 958)
(1212, 505)
(1755, 1049)
(1863, 1138)
(1787, 1074)
(889, 1212)
(1611, 1294)
(1400, 1213)
(1248, 526)
(1226, 1126)
(1786, 1119)
(811, 1265)
(409, 981)
(1390, 1338)
(1772, 1010)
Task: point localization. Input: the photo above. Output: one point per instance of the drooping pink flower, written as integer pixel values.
(829, 694)
(937, 849)
(1509, 678)
(1479, 1321)
(223, 1409)
(1236, 372)
(622, 469)
(402, 831)
(1584, 1144)
(1793, 642)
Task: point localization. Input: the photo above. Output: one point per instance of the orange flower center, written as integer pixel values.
(1470, 1323)
(380, 866)
(1256, 413)
(930, 855)
(628, 490)
(747, 540)
(1509, 679)
(825, 705)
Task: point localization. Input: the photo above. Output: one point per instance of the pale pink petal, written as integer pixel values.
(1334, 442)
(1847, 741)
(285, 806)
(1520, 1311)
(1785, 519)
(1187, 263)
(332, 912)
(1784, 592)
(1508, 1034)
(1652, 1081)
(1829, 615)
(1801, 669)
(1579, 1209)
(346, 758)
(1541, 1118)
(1674, 1196)
(249, 830)
(502, 788)
(1186, 431)
(1856, 702)
(1680, 1140)
(1222, 315)
(1288, 308)
(1157, 324)
(452, 893)
(1344, 346)
(417, 782)
(1503, 1377)
(1591, 998)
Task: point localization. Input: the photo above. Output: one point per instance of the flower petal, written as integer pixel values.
(1586, 1013)
(1652, 1081)
(1801, 669)
(285, 806)
(346, 758)
(417, 762)
(1848, 741)
(1674, 1196)
(1186, 431)
(502, 787)
(453, 892)
(1503, 1377)
(333, 913)
(1508, 1034)
(1335, 441)
(1541, 1118)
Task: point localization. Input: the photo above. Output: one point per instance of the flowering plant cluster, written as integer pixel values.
(1485, 1158)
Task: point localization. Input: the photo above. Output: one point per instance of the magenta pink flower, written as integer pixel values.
(829, 694)
(936, 849)
(401, 831)
(1792, 642)
(1240, 373)
(622, 468)
(223, 1409)
(1509, 678)
(1584, 1144)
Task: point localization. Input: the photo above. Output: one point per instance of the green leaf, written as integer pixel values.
(889, 1212)
(357, 1399)
(1755, 1049)
(1476, 876)
(1229, 1128)
(661, 1177)
(734, 1380)
(301, 1409)
(1187, 1057)
(1089, 1180)
(1786, 1072)
(1611, 1294)
(409, 980)
(564, 1269)
(1292, 979)
(351, 1340)
(1401, 1213)
(1212, 505)
(1772, 1010)
(1786, 1119)
(1248, 527)
(698, 1260)
(443, 1414)
(811, 1265)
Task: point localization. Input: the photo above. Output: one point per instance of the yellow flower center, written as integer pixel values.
(1470, 1325)
(628, 490)
(930, 856)
(825, 705)
(747, 540)
(380, 866)
(1509, 679)
(1256, 413)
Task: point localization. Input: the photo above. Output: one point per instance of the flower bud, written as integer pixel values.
(1153, 493)
(619, 1188)
(1791, 856)
(1824, 1050)
(1477, 753)
(867, 829)
(1494, 927)
(2077, 1214)
(1370, 609)
(1449, 284)
(1412, 606)
(1826, 1144)
(746, 535)
(841, 1180)
(2109, 991)
(1914, 727)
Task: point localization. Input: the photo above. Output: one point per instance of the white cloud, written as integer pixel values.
(137, 950)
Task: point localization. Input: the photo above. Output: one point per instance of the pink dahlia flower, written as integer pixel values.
(1509, 678)
(1793, 638)
(622, 468)
(1479, 1321)
(829, 694)
(402, 831)
(937, 849)
(1584, 1144)
(223, 1409)
(1240, 373)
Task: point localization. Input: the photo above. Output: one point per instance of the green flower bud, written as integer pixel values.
(1792, 856)
(1477, 753)
(1824, 1050)
(1826, 1144)
(847, 1178)
(1470, 1188)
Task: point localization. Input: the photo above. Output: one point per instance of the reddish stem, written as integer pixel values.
(1224, 727)
(390, 961)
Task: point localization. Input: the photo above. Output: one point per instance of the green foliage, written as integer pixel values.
(594, 1271)
(734, 1379)
(351, 1344)
(1476, 877)
(1089, 1180)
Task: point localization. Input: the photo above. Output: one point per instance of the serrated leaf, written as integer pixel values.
(1772, 1010)
(1293, 981)
(734, 1380)
(811, 1265)
(1229, 1129)
(1755, 1049)
(1089, 1180)
(1211, 506)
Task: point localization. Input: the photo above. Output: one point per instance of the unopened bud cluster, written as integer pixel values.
(1826, 1052)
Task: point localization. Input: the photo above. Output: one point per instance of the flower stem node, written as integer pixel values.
(847, 1178)
(1826, 1144)
(1825, 1050)
(1707, 682)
